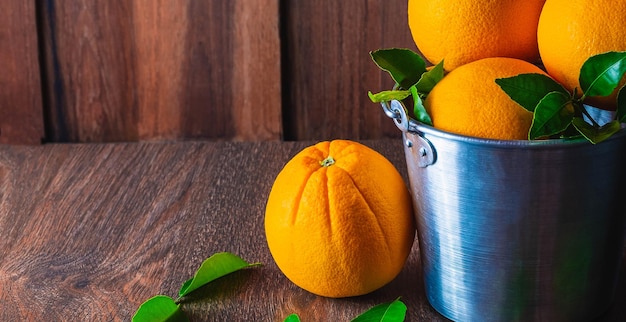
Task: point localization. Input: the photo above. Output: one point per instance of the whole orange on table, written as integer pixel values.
(339, 219)
(570, 31)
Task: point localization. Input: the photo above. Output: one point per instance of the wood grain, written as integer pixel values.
(161, 70)
(21, 111)
(329, 69)
(233, 70)
(88, 232)
(256, 84)
(89, 71)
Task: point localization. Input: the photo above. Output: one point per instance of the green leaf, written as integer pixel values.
(552, 115)
(621, 105)
(214, 267)
(601, 74)
(387, 312)
(292, 318)
(404, 65)
(386, 96)
(429, 79)
(159, 308)
(528, 89)
(594, 134)
(418, 107)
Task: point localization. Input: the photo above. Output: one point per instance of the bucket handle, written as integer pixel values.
(426, 153)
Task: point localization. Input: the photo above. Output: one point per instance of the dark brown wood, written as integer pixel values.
(154, 70)
(89, 232)
(329, 69)
(161, 70)
(256, 75)
(168, 70)
(21, 112)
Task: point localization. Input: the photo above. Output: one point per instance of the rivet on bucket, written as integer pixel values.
(426, 154)
(423, 150)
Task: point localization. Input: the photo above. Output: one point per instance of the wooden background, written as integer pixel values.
(140, 70)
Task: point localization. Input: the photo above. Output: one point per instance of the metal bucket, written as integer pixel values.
(516, 230)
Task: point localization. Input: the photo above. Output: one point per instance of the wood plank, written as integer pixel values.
(161, 70)
(329, 71)
(257, 87)
(116, 224)
(90, 76)
(91, 279)
(21, 112)
(90, 231)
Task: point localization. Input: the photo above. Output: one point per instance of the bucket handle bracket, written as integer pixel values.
(425, 150)
(398, 113)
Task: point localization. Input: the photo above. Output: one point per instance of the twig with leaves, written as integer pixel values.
(557, 113)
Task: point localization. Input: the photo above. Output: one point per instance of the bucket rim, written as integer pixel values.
(396, 110)
(425, 131)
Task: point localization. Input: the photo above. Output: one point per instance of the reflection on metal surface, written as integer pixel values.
(516, 230)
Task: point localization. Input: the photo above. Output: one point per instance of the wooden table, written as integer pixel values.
(88, 232)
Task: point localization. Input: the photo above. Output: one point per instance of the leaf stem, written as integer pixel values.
(327, 162)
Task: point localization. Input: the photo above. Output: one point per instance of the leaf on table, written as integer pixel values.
(404, 65)
(529, 89)
(159, 308)
(394, 311)
(292, 318)
(214, 267)
(601, 74)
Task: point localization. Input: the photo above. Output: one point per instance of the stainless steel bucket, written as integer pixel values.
(516, 230)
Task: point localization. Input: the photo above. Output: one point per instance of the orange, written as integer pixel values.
(339, 219)
(468, 101)
(571, 31)
(462, 31)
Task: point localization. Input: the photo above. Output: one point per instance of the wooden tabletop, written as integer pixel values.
(90, 231)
